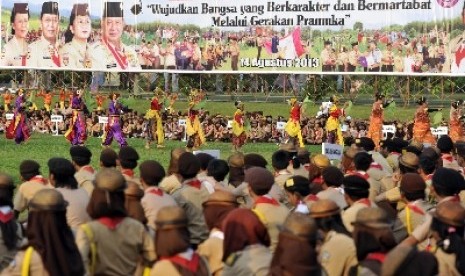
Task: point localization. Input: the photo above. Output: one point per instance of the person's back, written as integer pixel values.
(76, 213)
(253, 260)
(118, 249)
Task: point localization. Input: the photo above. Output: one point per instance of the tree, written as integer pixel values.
(358, 26)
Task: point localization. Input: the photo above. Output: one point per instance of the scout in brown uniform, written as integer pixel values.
(446, 145)
(328, 63)
(15, 51)
(33, 182)
(373, 239)
(234, 51)
(117, 242)
(215, 209)
(51, 249)
(412, 191)
(353, 58)
(191, 196)
(356, 191)
(362, 162)
(297, 191)
(11, 231)
(61, 176)
(388, 59)
(172, 243)
(44, 51)
(268, 209)
(171, 183)
(85, 174)
(447, 227)
(280, 162)
(332, 181)
(337, 252)
(127, 160)
(296, 253)
(151, 173)
(246, 245)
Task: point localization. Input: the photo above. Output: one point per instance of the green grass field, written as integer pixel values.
(42, 147)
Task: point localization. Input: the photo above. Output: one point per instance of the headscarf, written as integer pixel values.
(243, 228)
(295, 254)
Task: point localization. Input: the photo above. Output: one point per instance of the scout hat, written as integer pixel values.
(321, 161)
(324, 208)
(171, 217)
(112, 9)
(451, 213)
(372, 217)
(259, 179)
(133, 190)
(49, 8)
(80, 9)
(20, 8)
(110, 180)
(409, 160)
(236, 160)
(48, 200)
(221, 198)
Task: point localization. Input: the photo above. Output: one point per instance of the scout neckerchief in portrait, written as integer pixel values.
(120, 57)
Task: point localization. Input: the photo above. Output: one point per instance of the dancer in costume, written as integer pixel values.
(238, 131)
(76, 133)
(194, 129)
(375, 130)
(421, 126)
(154, 125)
(333, 126)
(455, 124)
(113, 129)
(18, 128)
(293, 124)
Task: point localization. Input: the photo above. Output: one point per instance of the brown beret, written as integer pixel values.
(259, 177)
(110, 180)
(372, 217)
(48, 200)
(411, 183)
(171, 217)
(221, 198)
(236, 160)
(409, 160)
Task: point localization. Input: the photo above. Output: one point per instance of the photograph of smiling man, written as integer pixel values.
(44, 52)
(110, 52)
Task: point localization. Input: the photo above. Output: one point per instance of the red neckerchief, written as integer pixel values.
(376, 257)
(459, 55)
(155, 191)
(40, 179)
(363, 175)
(318, 180)
(364, 201)
(195, 184)
(127, 172)
(412, 206)
(23, 60)
(56, 58)
(266, 200)
(88, 168)
(447, 157)
(311, 198)
(111, 223)
(6, 217)
(191, 265)
(375, 165)
(120, 58)
(429, 177)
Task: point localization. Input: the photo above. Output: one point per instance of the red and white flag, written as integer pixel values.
(290, 46)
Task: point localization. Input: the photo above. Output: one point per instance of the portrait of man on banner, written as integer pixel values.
(458, 49)
(75, 53)
(110, 53)
(15, 51)
(44, 51)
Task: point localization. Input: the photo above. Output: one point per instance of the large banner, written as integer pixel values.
(403, 37)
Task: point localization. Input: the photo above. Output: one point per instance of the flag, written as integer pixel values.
(290, 46)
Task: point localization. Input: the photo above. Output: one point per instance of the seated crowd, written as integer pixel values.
(261, 128)
(396, 210)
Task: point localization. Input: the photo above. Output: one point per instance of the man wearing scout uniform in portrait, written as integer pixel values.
(44, 52)
(15, 51)
(110, 52)
(328, 63)
(353, 58)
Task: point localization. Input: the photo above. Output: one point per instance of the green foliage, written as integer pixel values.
(358, 26)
